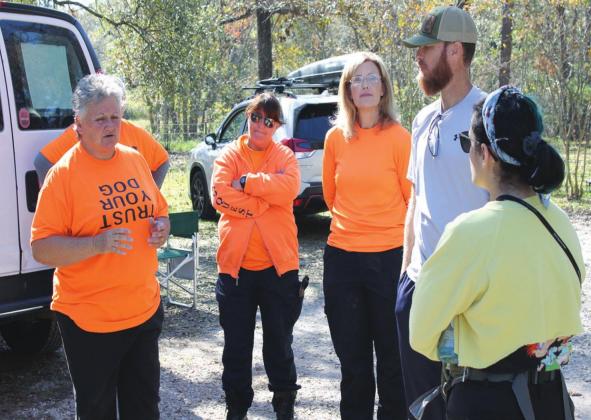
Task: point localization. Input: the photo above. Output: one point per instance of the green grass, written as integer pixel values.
(176, 184)
(583, 205)
(175, 145)
(181, 146)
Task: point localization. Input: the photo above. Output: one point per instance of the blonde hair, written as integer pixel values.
(347, 112)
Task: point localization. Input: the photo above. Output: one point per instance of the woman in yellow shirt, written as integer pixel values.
(365, 188)
(509, 289)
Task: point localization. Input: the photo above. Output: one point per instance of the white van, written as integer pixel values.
(43, 55)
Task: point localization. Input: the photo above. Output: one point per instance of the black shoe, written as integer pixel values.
(283, 404)
(234, 414)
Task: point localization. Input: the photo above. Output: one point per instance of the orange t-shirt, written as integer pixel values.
(365, 187)
(257, 257)
(83, 196)
(130, 135)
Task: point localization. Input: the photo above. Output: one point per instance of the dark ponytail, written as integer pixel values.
(543, 169)
(518, 127)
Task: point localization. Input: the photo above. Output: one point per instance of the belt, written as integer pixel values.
(519, 384)
(534, 377)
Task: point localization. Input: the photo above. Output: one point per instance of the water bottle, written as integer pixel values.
(445, 348)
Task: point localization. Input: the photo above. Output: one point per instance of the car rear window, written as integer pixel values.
(313, 122)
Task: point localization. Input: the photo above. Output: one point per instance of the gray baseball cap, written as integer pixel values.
(444, 23)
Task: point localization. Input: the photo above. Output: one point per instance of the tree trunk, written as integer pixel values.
(506, 43)
(186, 128)
(264, 43)
(565, 67)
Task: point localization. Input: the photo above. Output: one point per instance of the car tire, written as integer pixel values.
(32, 337)
(200, 197)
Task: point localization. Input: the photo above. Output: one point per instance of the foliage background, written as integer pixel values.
(185, 62)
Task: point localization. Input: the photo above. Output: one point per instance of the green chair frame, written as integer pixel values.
(182, 225)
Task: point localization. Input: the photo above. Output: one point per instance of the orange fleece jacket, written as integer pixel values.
(365, 187)
(266, 202)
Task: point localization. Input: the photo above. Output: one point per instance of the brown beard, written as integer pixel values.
(439, 78)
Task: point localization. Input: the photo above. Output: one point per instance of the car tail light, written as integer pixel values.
(302, 148)
(298, 202)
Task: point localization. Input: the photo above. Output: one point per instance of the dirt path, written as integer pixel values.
(192, 341)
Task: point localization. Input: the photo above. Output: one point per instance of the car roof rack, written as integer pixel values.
(283, 85)
(323, 75)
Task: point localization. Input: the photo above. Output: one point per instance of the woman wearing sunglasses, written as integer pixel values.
(506, 277)
(254, 183)
(365, 188)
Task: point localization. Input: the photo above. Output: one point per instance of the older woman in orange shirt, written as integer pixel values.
(99, 220)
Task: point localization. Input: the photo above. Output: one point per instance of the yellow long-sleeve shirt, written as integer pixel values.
(365, 187)
(502, 279)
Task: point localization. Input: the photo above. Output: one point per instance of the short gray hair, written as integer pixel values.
(94, 88)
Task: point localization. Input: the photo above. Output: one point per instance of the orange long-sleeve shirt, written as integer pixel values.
(365, 187)
(267, 202)
(131, 135)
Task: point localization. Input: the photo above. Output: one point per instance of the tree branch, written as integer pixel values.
(232, 19)
(98, 15)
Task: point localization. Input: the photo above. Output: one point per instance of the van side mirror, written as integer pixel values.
(210, 140)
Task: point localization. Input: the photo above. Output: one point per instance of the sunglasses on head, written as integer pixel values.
(255, 117)
(465, 141)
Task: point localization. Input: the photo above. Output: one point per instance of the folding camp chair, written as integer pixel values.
(180, 263)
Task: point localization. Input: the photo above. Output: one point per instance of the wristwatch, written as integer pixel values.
(243, 181)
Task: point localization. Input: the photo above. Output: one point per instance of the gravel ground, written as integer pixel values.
(191, 346)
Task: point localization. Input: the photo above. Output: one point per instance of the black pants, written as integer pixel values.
(280, 304)
(480, 400)
(420, 374)
(118, 369)
(359, 293)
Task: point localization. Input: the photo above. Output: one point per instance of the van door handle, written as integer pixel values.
(32, 190)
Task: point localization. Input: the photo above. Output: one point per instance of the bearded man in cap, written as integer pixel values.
(438, 170)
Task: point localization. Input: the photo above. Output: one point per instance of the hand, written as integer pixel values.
(159, 231)
(115, 241)
(236, 185)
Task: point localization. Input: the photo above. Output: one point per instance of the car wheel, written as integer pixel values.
(32, 337)
(200, 197)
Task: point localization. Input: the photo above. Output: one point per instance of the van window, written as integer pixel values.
(46, 62)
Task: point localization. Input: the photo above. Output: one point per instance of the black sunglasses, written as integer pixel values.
(255, 117)
(465, 141)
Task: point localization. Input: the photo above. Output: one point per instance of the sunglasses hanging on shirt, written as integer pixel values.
(433, 135)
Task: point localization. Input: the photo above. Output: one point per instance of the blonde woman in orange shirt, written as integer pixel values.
(254, 183)
(365, 188)
(99, 220)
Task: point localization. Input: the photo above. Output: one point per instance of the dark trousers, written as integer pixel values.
(117, 369)
(280, 305)
(481, 400)
(359, 293)
(420, 373)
